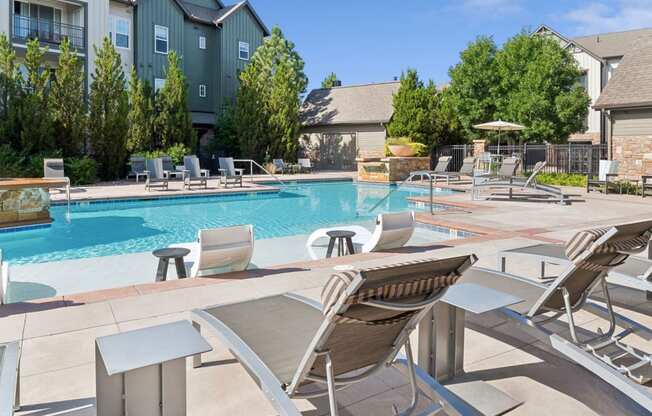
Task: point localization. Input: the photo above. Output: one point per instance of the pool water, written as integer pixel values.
(121, 227)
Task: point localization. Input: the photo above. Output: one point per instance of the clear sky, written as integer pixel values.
(372, 41)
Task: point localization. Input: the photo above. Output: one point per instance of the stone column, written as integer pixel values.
(479, 147)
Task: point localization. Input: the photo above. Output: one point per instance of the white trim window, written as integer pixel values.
(243, 51)
(202, 42)
(119, 32)
(161, 39)
(202, 90)
(159, 83)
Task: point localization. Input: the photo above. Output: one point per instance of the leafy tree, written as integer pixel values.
(268, 101)
(141, 115)
(67, 102)
(329, 81)
(109, 106)
(10, 94)
(472, 83)
(538, 88)
(173, 121)
(36, 119)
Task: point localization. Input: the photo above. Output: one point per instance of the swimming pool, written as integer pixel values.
(116, 227)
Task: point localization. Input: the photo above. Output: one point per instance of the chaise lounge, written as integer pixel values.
(468, 165)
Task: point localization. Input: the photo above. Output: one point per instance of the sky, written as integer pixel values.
(366, 41)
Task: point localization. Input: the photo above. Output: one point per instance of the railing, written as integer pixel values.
(253, 163)
(48, 31)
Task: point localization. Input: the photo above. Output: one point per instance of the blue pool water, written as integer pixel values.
(121, 227)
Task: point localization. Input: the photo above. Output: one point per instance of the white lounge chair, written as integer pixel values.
(392, 231)
(53, 169)
(220, 250)
(9, 376)
(468, 165)
(304, 165)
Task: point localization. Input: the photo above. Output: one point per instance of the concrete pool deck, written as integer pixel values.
(57, 335)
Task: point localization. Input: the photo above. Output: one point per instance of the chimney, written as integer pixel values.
(337, 83)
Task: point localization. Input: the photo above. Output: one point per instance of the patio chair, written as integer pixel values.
(442, 165)
(169, 170)
(295, 347)
(305, 166)
(229, 173)
(468, 164)
(156, 177)
(194, 174)
(607, 171)
(392, 231)
(54, 169)
(4, 280)
(137, 167)
(9, 378)
(592, 254)
(635, 272)
(280, 165)
(220, 250)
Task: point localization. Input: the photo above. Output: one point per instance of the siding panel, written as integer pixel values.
(593, 70)
(632, 123)
(201, 65)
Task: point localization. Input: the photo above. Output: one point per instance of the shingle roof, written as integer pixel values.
(357, 104)
(200, 13)
(631, 84)
(609, 45)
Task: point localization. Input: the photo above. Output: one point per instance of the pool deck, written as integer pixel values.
(58, 334)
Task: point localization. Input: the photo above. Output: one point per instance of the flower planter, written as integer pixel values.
(401, 150)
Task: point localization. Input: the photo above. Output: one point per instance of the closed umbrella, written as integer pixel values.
(499, 126)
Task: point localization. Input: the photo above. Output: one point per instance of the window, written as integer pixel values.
(202, 90)
(161, 39)
(202, 42)
(158, 84)
(119, 32)
(243, 51)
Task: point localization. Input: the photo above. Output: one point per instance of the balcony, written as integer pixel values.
(48, 32)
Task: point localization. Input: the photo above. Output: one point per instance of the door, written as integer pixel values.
(337, 151)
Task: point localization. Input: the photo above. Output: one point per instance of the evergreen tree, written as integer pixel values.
(173, 121)
(267, 113)
(413, 105)
(329, 81)
(141, 115)
(225, 140)
(67, 102)
(109, 107)
(35, 117)
(10, 94)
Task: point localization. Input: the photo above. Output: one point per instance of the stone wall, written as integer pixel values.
(391, 169)
(593, 138)
(24, 206)
(479, 147)
(634, 154)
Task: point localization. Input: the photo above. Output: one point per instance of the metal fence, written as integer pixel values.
(559, 158)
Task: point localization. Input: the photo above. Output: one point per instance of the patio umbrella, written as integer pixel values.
(499, 126)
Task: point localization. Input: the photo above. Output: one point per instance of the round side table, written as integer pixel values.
(344, 242)
(164, 255)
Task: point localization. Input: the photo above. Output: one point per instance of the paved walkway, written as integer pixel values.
(58, 334)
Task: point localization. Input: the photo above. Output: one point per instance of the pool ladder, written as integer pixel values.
(418, 173)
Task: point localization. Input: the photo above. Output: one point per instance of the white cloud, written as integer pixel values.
(597, 17)
(496, 7)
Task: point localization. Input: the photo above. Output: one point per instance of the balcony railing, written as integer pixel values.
(48, 31)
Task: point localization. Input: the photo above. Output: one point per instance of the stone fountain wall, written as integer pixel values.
(391, 169)
(24, 206)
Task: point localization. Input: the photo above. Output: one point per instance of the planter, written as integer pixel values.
(401, 150)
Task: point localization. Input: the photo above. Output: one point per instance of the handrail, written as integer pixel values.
(421, 173)
(251, 170)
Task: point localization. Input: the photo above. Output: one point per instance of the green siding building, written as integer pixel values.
(214, 41)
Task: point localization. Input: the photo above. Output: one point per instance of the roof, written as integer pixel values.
(229, 10)
(611, 45)
(198, 13)
(631, 84)
(356, 104)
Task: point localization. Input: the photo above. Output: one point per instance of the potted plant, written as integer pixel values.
(403, 147)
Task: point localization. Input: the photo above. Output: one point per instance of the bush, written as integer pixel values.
(34, 164)
(562, 179)
(11, 162)
(81, 171)
(420, 149)
(176, 152)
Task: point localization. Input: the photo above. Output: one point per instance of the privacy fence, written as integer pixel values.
(560, 158)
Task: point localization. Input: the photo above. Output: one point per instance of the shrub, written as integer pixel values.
(81, 171)
(176, 152)
(420, 149)
(34, 164)
(11, 162)
(562, 179)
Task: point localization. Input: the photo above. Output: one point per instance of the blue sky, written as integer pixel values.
(372, 41)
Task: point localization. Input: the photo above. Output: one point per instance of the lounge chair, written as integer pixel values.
(392, 231)
(4, 280)
(635, 272)
(280, 165)
(442, 165)
(137, 167)
(592, 254)
(156, 177)
(220, 250)
(304, 164)
(9, 378)
(169, 170)
(194, 174)
(229, 173)
(54, 169)
(607, 171)
(465, 170)
(294, 347)
(520, 182)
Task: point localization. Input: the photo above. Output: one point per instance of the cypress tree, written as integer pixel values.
(109, 107)
(10, 94)
(141, 113)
